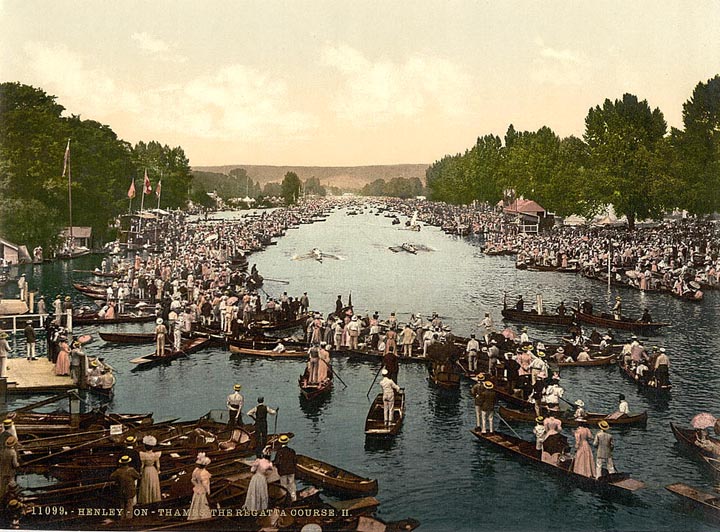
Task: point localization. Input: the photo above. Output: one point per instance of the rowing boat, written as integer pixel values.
(605, 320)
(569, 421)
(615, 483)
(188, 347)
(533, 317)
(95, 319)
(315, 390)
(687, 438)
(649, 385)
(442, 377)
(266, 353)
(708, 502)
(333, 478)
(375, 426)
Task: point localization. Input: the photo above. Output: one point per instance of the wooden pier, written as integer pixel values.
(35, 376)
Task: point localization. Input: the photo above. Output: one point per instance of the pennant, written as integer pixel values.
(158, 189)
(67, 159)
(131, 190)
(147, 186)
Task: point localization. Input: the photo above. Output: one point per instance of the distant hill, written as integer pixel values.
(345, 177)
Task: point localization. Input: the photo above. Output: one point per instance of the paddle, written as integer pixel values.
(508, 426)
(373, 382)
(334, 373)
(276, 280)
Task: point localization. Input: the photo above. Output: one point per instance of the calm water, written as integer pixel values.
(436, 471)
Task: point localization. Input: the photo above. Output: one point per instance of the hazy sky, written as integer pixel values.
(352, 82)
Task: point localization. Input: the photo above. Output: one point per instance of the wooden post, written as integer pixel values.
(82, 373)
(74, 409)
(3, 390)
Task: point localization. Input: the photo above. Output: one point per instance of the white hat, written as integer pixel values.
(384, 371)
(354, 318)
(150, 441)
(159, 321)
(202, 459)
(580, 403)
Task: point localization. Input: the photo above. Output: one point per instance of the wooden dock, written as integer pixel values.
(35, 376)
(9, 307)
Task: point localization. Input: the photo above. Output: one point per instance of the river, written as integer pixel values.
(436, 471)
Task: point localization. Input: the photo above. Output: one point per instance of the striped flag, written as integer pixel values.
(147, 186)
(131, 190)
(67, 159)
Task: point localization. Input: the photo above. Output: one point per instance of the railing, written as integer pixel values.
(10, 323)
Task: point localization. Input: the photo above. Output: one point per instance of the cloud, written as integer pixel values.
(236, 102)
(380, 91)
(156, 47)
(560, 66)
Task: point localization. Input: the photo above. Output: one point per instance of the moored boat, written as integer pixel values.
(616, 483)
(266, 353)
(708, 502)
(333, 478)
(315, 390)
(95, 319)
(688, 439)
(375, 426)
(534, 317)
(605, 360)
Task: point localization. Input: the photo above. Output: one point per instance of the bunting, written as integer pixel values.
(147, 186)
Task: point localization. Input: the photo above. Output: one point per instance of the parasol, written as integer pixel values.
(232, 300)
(509, 334)
(703, 420)
(694, 285)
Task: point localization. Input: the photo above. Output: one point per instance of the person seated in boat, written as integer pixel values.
(642, 373)
(520, 304)
(562, 309)
(646, 318)
(595, 337)
(703, 441)
(106, 380)
(604, 343)
(586, 307)
(561, 356)
(584, 355)
(623, 408)
(580, 412)
(94, 373)
(553, 393)
(110, 312)
(279, 348)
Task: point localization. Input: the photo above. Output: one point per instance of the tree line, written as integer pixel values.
(627, 158)
(34, 136)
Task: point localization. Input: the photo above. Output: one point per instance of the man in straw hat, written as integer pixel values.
(487, 405)
(160, 333)
(125, 477)
(605, 444)
(235, 402)
(8, 464)
(286, 463)
(617, 309)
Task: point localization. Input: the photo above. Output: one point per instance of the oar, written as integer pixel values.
(373, 382)
(574, 407)
(508, 426)
(277, 415)
(334, 373)
(276, 280)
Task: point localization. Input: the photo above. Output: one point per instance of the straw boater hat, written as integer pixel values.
(159, 321)
(560, 350)
(384, 371)
(10, 441)
(488, 385)
(604, 425)
(124, 460)
(3, 335)
(539, 420)
(237, 387)
(7, 422)
(580, 403)
(130, 439)
(284, 439)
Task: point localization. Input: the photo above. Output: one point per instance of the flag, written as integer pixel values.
(158, 189)
(148, 186)
(131, 190)
(67, 159)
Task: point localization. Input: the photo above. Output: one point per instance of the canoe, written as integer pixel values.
(594, 361)
(128, 338)
(266, 353)
(708, 502)
(278, 326)
(98, 273)
(609, 322)
(591, 417)
(188, 347)
(266, 343)
(616, 483)
(375, 422)
(332, 478)
(687, 438)
(645, 386)
(533, 317)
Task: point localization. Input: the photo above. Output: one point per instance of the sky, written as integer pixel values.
(346, 83)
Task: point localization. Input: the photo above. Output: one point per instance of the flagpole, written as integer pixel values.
(142, 203)
(159, 189)
(69, 173)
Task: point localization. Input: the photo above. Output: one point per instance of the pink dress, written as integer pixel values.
(62, 365)
(583, 463)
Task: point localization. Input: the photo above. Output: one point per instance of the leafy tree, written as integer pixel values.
(272, 189)
(696, 160)
(313, 187)
(625, 141)
(167, 164)
(199, 196)
(291, 185)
